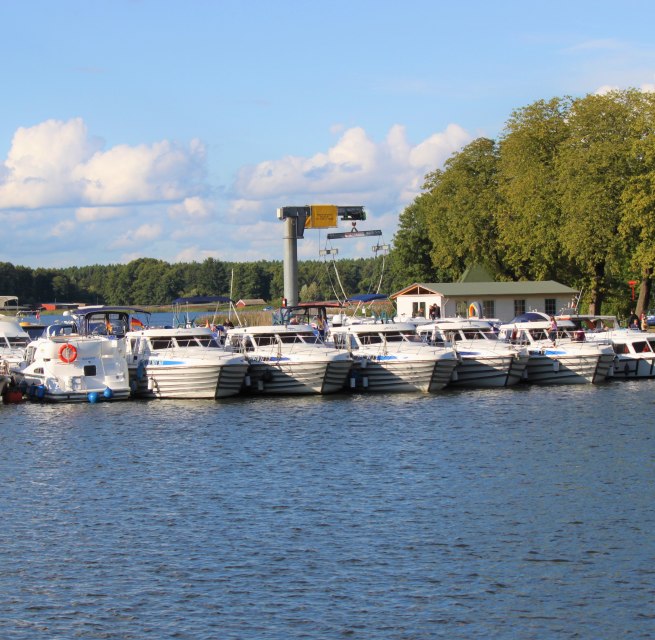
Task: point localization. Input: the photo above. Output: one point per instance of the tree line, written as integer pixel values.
(150, 282)
(567, 192)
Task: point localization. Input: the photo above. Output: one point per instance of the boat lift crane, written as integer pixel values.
(314, 216)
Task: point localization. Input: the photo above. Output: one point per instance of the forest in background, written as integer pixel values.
(566, 193)
(147, 281)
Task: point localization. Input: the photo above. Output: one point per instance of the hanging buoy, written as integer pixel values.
(108, 393)
(67, 353)
(475, 310)
(92, 397)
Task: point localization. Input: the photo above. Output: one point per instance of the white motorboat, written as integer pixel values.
(81, 359)
(483, 360)
(184, 362)
(393, 357)
(557, 358)
(13, 342)
(634, 349)
(289, 359)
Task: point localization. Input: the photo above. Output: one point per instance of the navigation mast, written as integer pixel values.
(314, 216)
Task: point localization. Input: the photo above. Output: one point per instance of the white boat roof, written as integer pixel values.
(5, 299)
(458, 323)
(11, 327)
(377, 327)
(273, 328)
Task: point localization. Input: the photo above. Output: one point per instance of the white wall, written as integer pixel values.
(504, 305)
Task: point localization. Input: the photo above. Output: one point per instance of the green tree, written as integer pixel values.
(529, 215)
(410, 259)
(637, 227)
(461, 206)
(593, 165)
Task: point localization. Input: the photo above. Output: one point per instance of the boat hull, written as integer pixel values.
(188, 381)
(40, 387)
(627, 367)
(488, 371)
(396, 375)
(283, 376)
(544, 368)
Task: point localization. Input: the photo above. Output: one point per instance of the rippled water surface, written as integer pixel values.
(521, 513)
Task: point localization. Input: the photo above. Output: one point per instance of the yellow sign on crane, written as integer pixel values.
(322, 216)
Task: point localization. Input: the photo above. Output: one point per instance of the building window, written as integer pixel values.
(462, 309)
(519, 307)
(489, 308)
(418, 310)
(550, 306)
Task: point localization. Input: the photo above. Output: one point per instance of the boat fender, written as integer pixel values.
(108, 393)
(67, 353)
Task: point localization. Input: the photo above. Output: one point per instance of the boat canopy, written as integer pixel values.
(530, 316)
(367, 297)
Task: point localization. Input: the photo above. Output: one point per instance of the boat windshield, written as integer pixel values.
(307, 337)
(538, 334)
(17, 342)
(196, 341)
(402, 336)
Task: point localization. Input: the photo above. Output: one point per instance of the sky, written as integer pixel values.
(175, 129)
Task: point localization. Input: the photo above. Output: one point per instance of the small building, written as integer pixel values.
(477, 294)
(250, 302)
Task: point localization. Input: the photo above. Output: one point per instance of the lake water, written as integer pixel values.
(512, 513)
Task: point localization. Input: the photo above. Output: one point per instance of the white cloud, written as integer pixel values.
(142, 234)
(94, 214)
(153, 200)
(355, 168)
(193, 209)
(57, 164)
(63, 229)
(607, 88)
(195, 254)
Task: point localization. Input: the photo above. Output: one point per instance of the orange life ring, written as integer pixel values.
(67, 353)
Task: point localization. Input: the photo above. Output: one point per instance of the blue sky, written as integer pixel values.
(173, 130)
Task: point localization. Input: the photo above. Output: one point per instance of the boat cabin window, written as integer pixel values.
(291, 338)
(158, 343)
(341, 341)
(370, 338)
(264, 339)
(538, 334)
(17, 342)
(620, 348)
(641, 346)
(90, 370)
(196, 341)
(207, 341)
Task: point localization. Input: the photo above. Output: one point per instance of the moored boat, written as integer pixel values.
(555, 357)
(393, 357)
(183, 362)
(483, 360)
(634, 350)
(13, 342)
(289, 359)
(80, 359)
